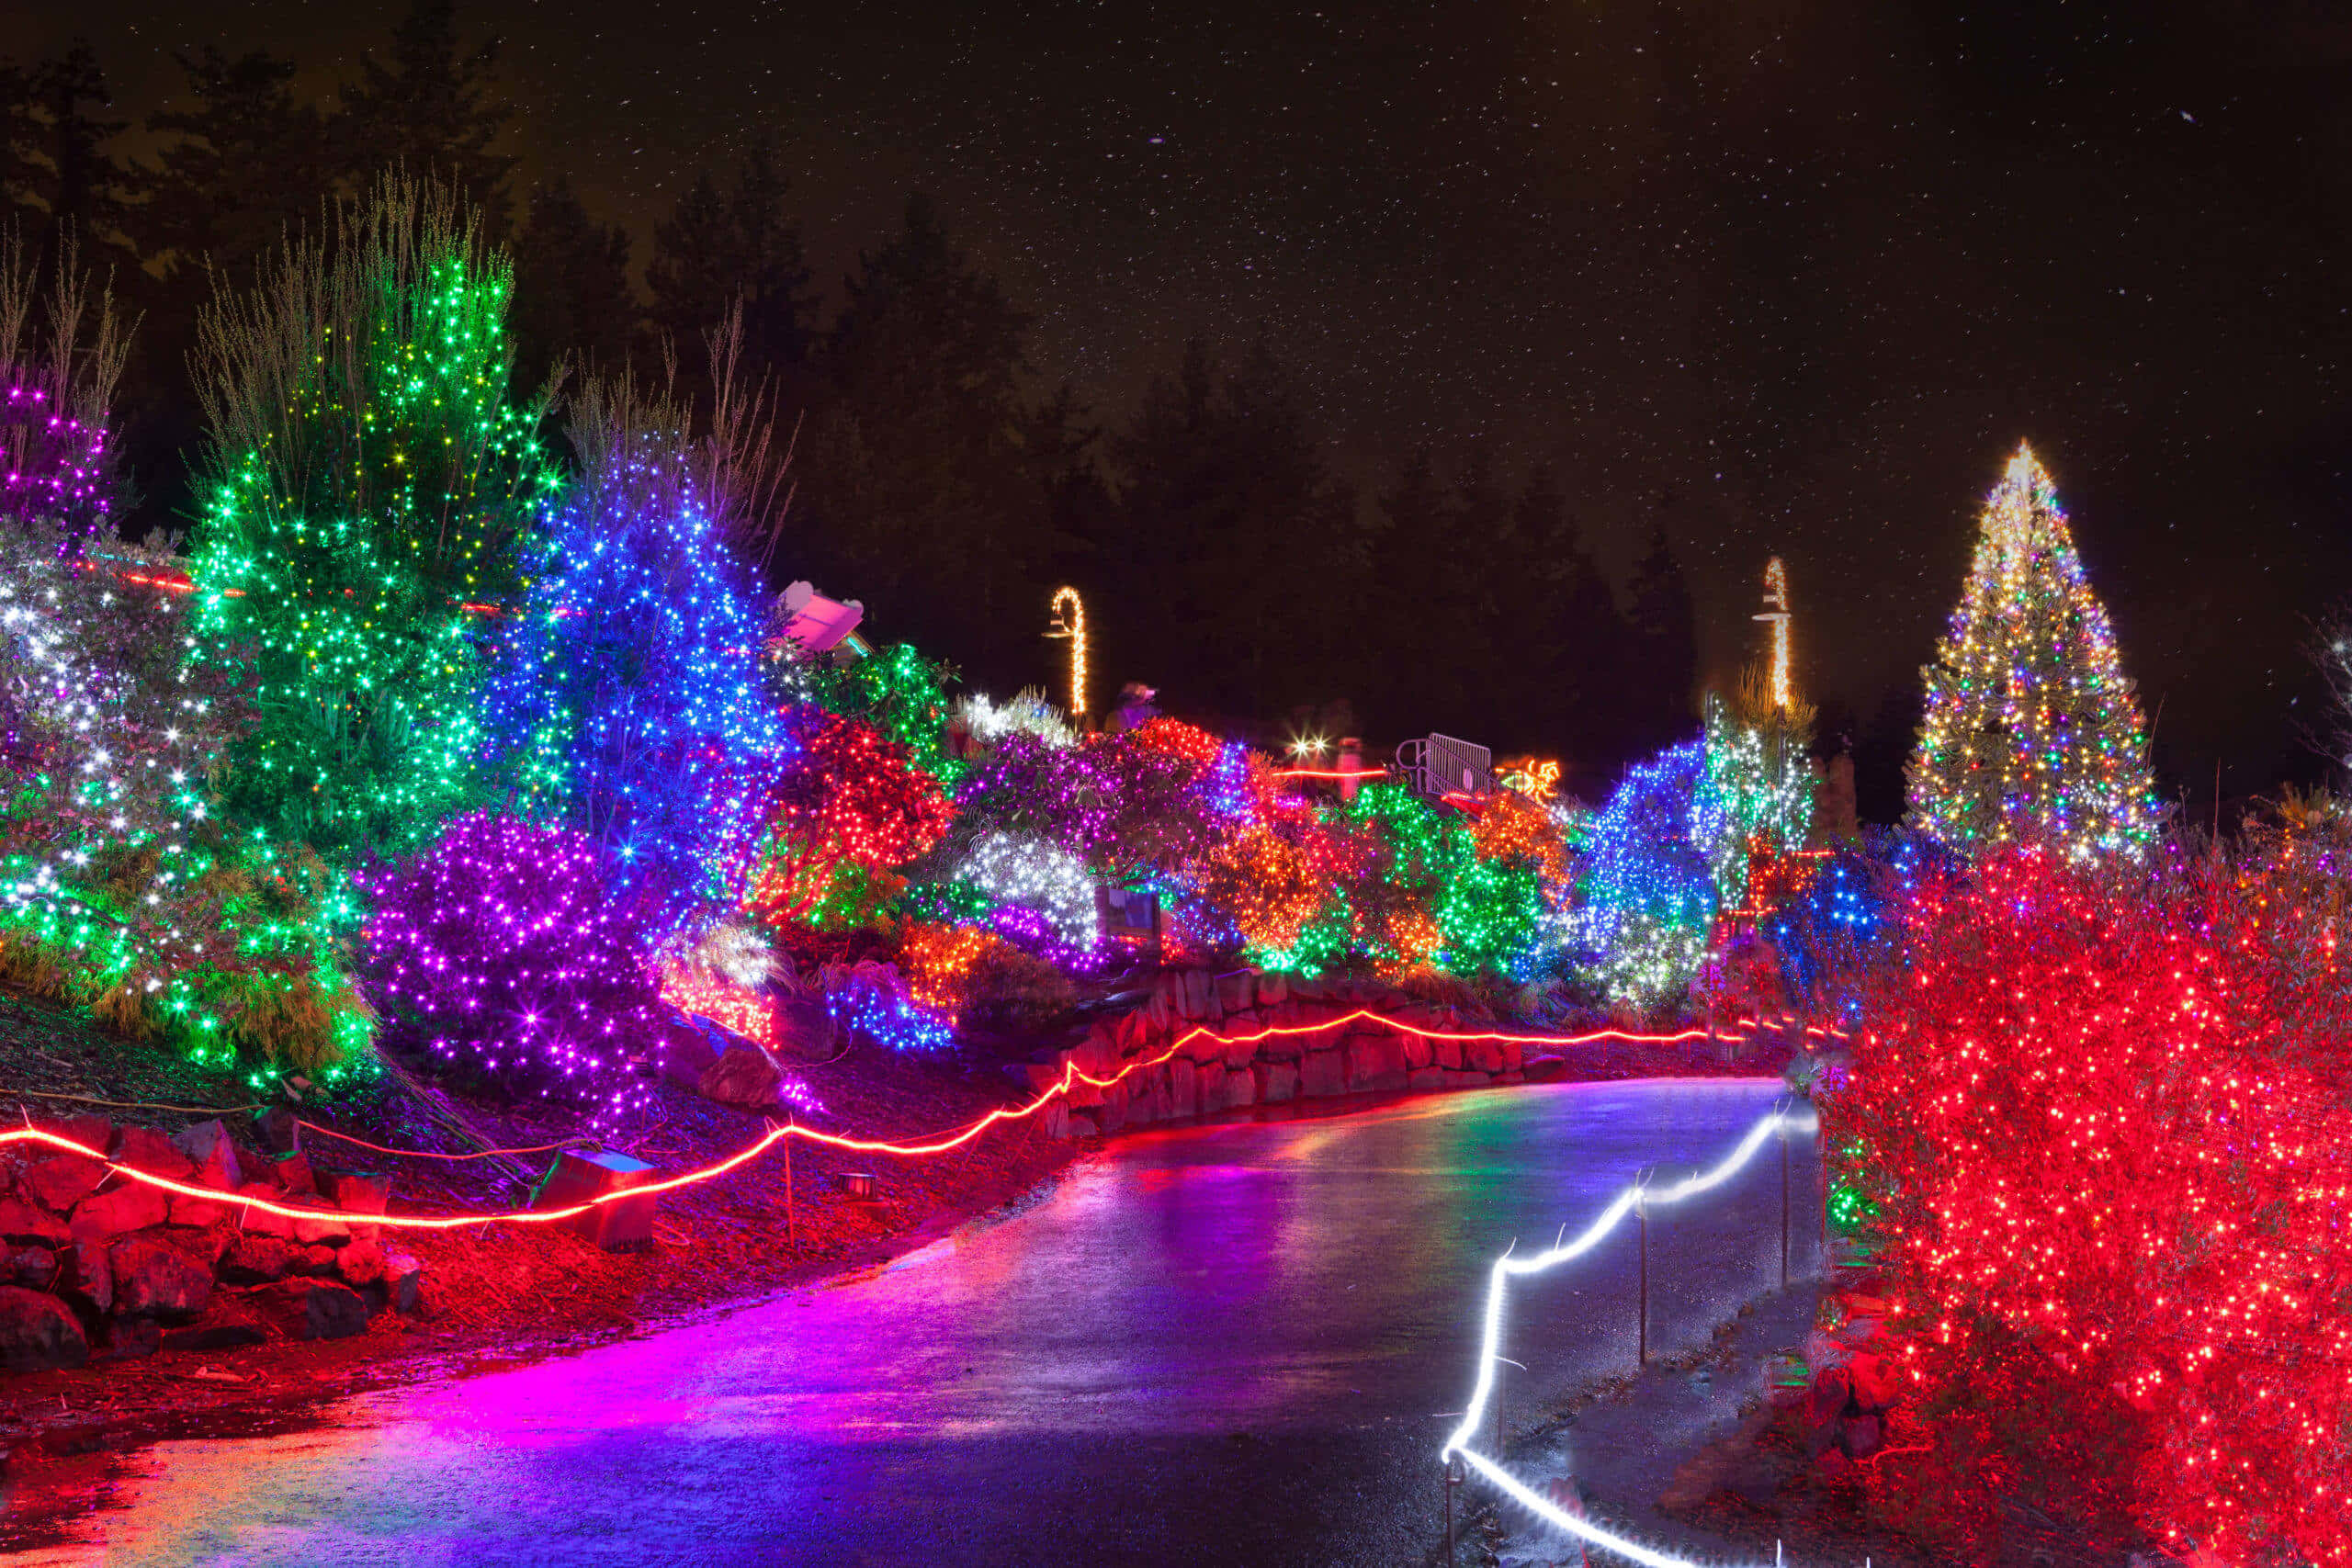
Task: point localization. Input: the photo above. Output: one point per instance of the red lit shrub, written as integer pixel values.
(2105, 1115)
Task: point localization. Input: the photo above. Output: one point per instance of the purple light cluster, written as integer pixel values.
(52, 465)
(499, 952)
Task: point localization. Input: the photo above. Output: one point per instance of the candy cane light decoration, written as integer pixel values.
(1070, 621)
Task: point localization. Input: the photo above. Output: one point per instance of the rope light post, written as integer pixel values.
(1070, 621)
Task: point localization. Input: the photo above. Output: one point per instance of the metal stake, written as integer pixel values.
(1642, 1213)
(791, 1231)
(1785, 1203)
(1455, 1474)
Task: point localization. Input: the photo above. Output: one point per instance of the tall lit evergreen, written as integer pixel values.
(2031, 731)
(368, 488)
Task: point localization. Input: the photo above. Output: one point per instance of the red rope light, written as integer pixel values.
(938, 1143)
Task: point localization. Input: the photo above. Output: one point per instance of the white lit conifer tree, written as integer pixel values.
(2031, 732)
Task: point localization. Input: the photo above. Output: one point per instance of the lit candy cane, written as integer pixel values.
(1070, 621)
(1562, 1252)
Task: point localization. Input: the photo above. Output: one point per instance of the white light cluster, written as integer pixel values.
(1026, 712)
(1015, 869)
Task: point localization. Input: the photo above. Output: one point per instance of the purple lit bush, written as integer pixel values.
(497, 950)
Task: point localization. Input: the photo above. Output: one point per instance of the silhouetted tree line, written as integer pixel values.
(1226, 562)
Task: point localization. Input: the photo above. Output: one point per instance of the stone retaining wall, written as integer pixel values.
(1214, 1074)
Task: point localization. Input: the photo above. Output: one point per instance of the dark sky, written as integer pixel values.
(1787, 277)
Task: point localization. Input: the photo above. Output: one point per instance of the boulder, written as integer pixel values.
(85, 1275)
(35, 1268)
(208, 1147)
(1417, 1050)
(129, 1336)
(195, 1212)
(61, 1180)
(292, 1173)
(1446, 1054)
(21, 1222)
(255, 1259)
(359, 1192)
(1826, 1402)
(687, 1055)
(1322, 1074)
(38, 1332)
(744, 1077)
(222, 1335)
(361, 1263)
(1859, 1435)
(155, 1279)
(1514, 1055)
(1512, 1075)
(1272, 991)
(1241, 1088)
(1084, 1126)
(310, 1309)
(133, 1206)
(1277, 1082)
(1310, 987)
(1483, 1055)
(1375, 1062)
(1428, 1079)
(330, 1229)
(1183, 1081)
(1286, 1047)
(317, 1261)
(403, 1281)
(1237, 1054)
(1208, 1088)
(92, 1132)
(146, 1149)
(278, 1131)
(255, 1220)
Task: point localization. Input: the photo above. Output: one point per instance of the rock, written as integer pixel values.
(1860, 1436)
(61, 1180)
(1427, 1078)
(580, 1178)
(133, 1206)
(1208, 1089)
(1446, 1054)
(310, 1309)
(1277, 1082)
(292, 1172)
(146, 1149)
(1182, 1079)
(1272, 991)
(92, 1132)
(359, 1192)
(253, 1260)
(255, 1220)
(1084, 1126)
(361, 1263)
(744, 1077)
(1307, 986)
(404, 1281)
(1514, 1055)
(1417, 1051)
(1375, 1062)
(208, 1147)
(214, 1336)
(687, 1055)
(330, 1229)
(38, 1332)
(21, 1222)
(155, 1279)
(1483, 1055)
(1322, 1074)
(1241, 1088)
(130, 1337)
(35, 1268)
(195, 1212)
(87, 1275)
(1511, 1076)
(278, 1131)
(317, 1261)
(1057, 1117)
(1236, 992)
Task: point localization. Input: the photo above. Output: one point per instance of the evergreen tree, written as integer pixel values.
(431, 109)
(921, 481)
(725, 243)
(1662, 676)
(245, 164)
(1417, 524)
(1565, 635)
(572, 287)
(367, 490)
(2031, 732)
(60, 164)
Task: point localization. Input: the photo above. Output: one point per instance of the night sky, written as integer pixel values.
(1784, 278)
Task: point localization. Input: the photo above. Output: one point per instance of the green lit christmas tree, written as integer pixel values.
(368, 487)
(2031, 732)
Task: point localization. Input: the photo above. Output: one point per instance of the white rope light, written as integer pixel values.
(1497, 1290)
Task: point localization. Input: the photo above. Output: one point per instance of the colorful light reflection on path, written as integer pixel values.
(1222, 1344)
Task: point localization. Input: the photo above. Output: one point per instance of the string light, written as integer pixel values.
(2031, 731)
(1070, 621)
(1776, 612)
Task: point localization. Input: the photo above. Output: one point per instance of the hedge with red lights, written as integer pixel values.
(2105, 1115)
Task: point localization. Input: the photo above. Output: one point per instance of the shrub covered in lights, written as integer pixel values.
(2104, 1113)
(367, 494)
(496, 950)
(847, 805)
(627, 702)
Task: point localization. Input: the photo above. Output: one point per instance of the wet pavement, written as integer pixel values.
(1233, 1344)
